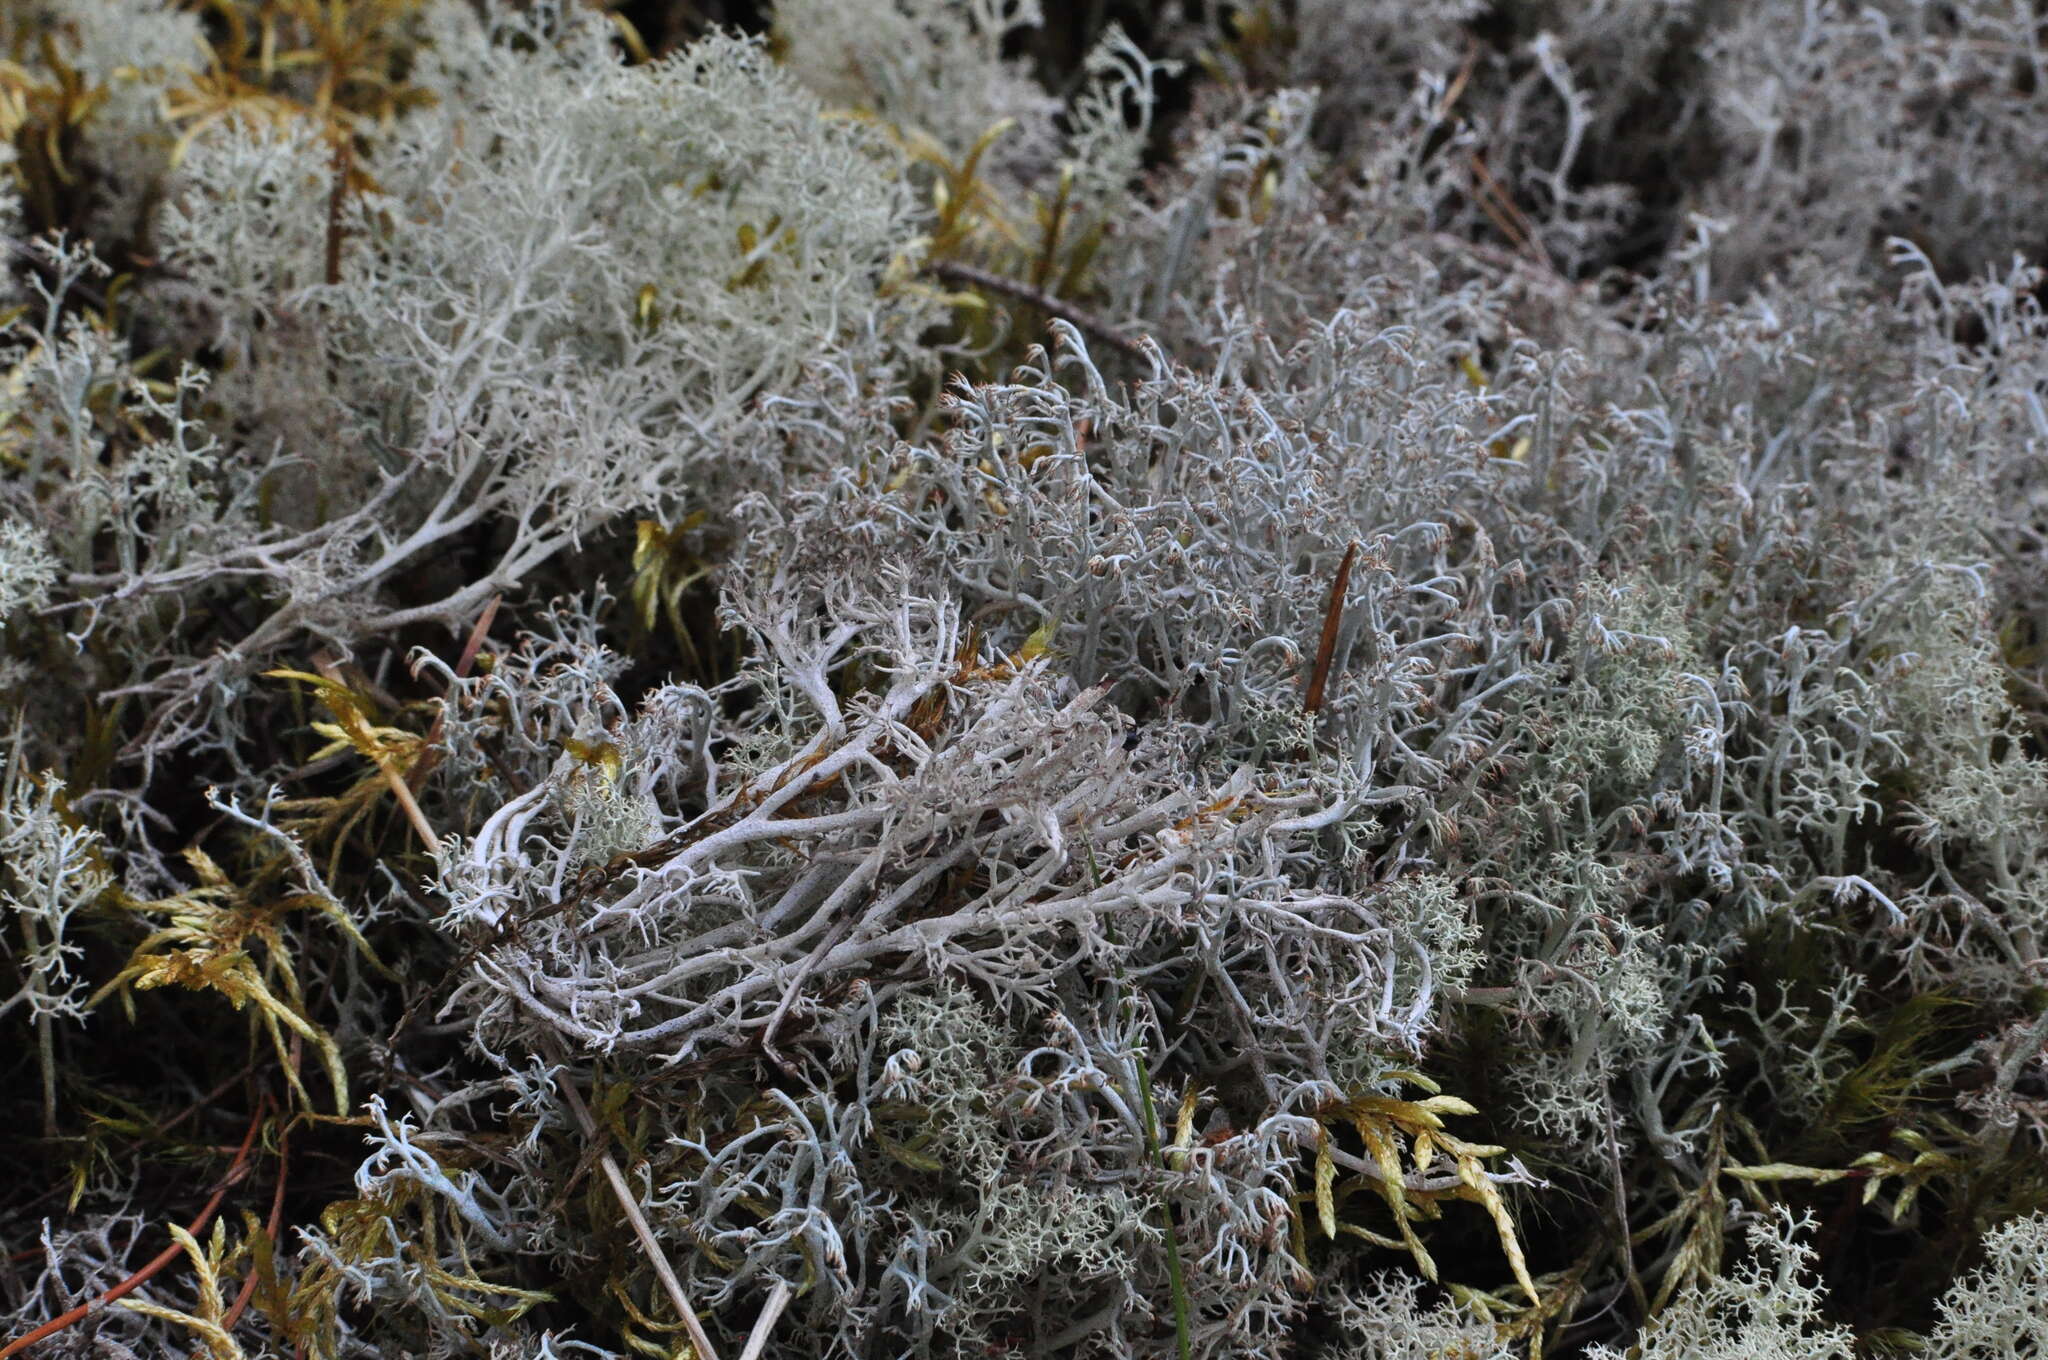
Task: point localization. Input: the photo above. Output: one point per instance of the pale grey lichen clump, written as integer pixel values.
(1316, 680)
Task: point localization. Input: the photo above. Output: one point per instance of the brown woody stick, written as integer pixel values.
(967, 276)
(1333, 614)
(630, 1203)
(236, 1170)
(358, 730)
(337, 194)
(424, 766)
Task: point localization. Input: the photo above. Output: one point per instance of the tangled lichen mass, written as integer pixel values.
(961, 678)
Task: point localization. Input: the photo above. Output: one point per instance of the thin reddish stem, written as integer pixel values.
(270, 1229)
(236, 1171)
(1333, 614)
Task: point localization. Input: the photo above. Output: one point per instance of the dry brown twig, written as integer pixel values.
(968, 276)
(630, 1204)
(237, 1171)
(365, 742)
(1333, 615)
(470, 650)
